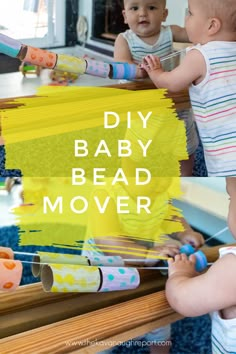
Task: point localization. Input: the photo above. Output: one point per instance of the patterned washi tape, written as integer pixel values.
(40, 57)
(58, 258)
(119, 278)
(10, 274)
(6, 253)
(124, 71)
(97, 68)
(70, 64)
(9, 46)
(112, 261)
(70, 278)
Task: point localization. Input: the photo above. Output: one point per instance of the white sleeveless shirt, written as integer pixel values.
(163, 46)
(224, 331)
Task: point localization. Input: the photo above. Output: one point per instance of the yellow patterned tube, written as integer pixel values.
(70, 64)
(70, 278)
(58, 258)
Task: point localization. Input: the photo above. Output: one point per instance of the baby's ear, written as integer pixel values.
(214, 26)
(165, 14)
(124, 15)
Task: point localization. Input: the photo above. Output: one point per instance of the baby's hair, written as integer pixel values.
(224, 10)
(161, 1)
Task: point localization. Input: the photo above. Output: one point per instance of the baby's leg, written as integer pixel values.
(159, 340)
(186, 166)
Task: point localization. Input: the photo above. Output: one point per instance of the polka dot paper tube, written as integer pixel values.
(58, 258)
(40, 57)
(119, 278)
(10, 274)
(111, 261)
(97, 68)
(70, 278)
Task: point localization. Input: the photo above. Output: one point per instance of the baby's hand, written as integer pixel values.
(151, 63)
(182, 265)
(193, 238)
(169, 250)
(141, 73)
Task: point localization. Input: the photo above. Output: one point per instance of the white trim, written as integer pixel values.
(101, 45)
(56, 31)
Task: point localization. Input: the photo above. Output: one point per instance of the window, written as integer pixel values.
(40, 23)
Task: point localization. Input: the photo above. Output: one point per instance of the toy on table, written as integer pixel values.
(68, 63)
(62, 77)
(27, 68)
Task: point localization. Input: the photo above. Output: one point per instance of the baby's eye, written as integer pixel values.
(152, 8)
(134, 8)
(189, 13)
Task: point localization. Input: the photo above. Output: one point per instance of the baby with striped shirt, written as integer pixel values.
(147, 35)
(194, 294)
(137, 235)
(209, 70)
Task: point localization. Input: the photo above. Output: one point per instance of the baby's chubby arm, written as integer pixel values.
(122, 54)
(107, 233)
(192, 69)
(121, 50)
(179, 34)
(194, 294)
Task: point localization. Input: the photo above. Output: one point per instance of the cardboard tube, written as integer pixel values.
(6, 253)
(57, 258)
(70, 64)
(40, 57)
(97, 68)
(9, 46)
(70, 278)
(118, 278)
(112, 261)
(10, 274)
(123, 71)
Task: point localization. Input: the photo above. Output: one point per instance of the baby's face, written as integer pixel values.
(145, 17)
(196, 22)
(231, 190)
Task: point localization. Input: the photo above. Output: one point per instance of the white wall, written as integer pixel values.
(177, 11)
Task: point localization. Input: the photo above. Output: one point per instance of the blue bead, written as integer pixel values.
(201, 261)
(187, 249)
